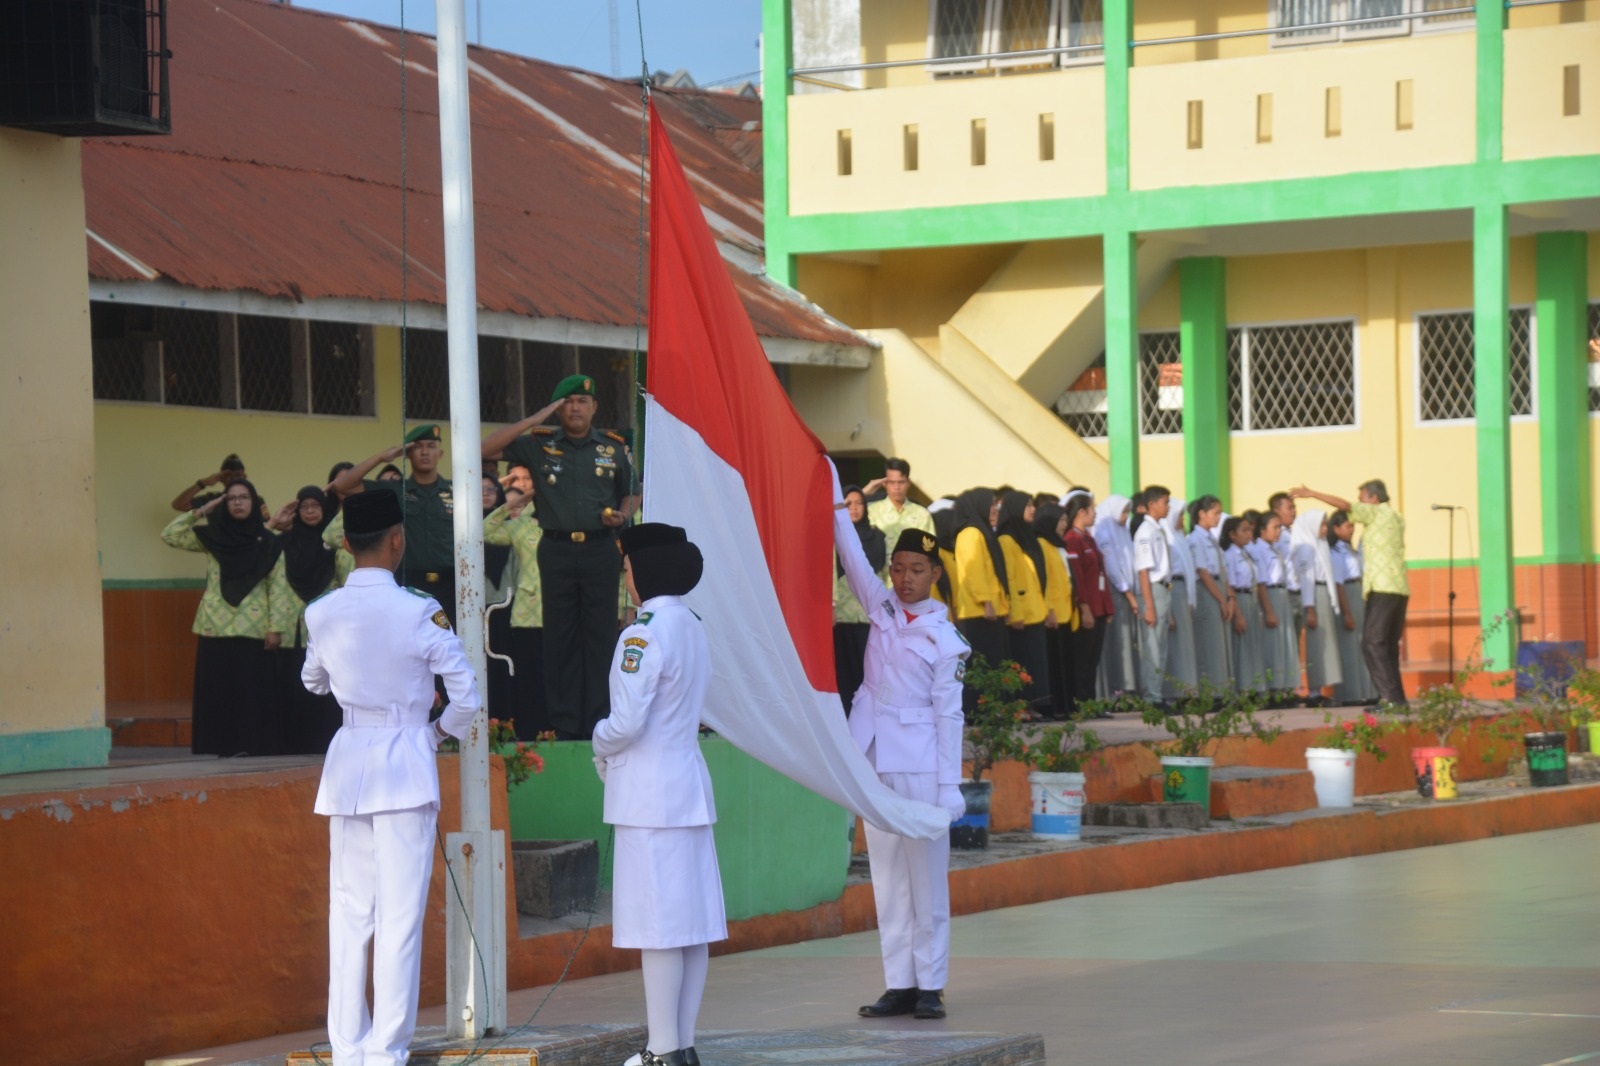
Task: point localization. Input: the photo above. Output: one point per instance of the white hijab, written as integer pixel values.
(1306, 525)
(1178, 547)
(1116, 544)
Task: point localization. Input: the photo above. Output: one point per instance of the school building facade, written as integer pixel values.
(1229, 246)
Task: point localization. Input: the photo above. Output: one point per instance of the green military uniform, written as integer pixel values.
(576, 481)
(430, 560)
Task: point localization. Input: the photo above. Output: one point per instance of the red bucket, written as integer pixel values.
(1436, 772)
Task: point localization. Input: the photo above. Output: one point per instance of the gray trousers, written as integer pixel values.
(1380, 643)
(1153, 642)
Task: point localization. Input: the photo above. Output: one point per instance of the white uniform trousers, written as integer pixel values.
(911, 887)
(379, 869)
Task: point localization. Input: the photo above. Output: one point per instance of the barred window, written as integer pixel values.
(1160, 383)
(516, 378)
(198, 358)
(1083, 406)
(425, 355)
(994, 28)
(1594, 364)
(1291, 377)
(1447, 365)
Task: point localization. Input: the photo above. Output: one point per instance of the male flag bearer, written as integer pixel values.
(377, 646)
(907, 719)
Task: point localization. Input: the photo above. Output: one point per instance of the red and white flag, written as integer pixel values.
(727, 458)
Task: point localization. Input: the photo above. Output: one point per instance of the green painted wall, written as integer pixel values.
(63, 749)
(780, 846)
(1203, 340)
(1122, 362)
(1562, 320)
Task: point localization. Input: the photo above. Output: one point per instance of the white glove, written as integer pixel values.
(951, 800)
(600, 766)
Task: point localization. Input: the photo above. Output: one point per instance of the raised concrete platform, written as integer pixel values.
(610, 1045)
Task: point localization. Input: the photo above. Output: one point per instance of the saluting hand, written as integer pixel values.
(873, 486)
(210, 505)
(285, 516)
(389, 455)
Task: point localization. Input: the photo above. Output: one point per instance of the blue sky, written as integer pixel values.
(713, 39)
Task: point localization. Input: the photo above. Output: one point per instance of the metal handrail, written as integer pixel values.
(1301, 27)
(845, 68)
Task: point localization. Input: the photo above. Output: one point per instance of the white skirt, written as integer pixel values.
(666, 889)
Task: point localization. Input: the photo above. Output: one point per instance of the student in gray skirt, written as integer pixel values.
(1182, 673)
(1314, 567)
(1357, 687)
(1214, 605)
(1249, 665)
(1281, 645)
(1119, 659)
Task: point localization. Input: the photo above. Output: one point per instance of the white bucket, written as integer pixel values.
(1333, 770)
(1056, 801)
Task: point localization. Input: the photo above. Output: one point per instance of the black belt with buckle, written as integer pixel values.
(578, 536)
(1276, 586)
(1244, 588)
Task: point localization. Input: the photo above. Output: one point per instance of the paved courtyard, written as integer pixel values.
(1483, 952)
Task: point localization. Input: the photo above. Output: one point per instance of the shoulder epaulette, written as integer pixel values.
(417, 592)
(613, 435)
(644, 619)
(543, 431)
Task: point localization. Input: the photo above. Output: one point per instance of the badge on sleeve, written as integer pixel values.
(441, 619)
(631, 657)
(961, 669)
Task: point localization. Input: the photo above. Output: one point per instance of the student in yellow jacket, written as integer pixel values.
(1050, 524)
(1026, 590)
(979, 588)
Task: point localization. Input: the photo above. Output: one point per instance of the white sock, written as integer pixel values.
(696, 962)
(663, 988)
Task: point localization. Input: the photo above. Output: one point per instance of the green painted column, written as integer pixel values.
(1117, 19)
(1122, 361)
(1492, 382)
(1203, 339)
(1491, 26)
(777, 51)
(1561, 317)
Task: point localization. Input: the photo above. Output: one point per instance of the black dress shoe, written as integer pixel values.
(930, 1004)
(691, 1057)
(671, 1058)
(893, 1002)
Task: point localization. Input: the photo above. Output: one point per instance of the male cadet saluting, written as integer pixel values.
(584, 481)
(907, 718)
(377, 646)
(430, 562)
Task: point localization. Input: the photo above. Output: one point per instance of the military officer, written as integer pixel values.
(377, 646)
(906, 718)
(585, 483)
(429, 503)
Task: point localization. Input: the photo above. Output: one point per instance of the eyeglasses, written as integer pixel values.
(234, 497)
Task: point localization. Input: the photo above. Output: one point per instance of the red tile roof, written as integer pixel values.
(283, 175)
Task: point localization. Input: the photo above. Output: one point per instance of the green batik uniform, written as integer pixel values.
(343, 561)
(883, 516)
(216, 617)
(575, 481)
(523, 535)
(430, 561)
(286, 610)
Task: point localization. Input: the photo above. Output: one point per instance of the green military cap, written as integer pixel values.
(428, 431)
(573, 385)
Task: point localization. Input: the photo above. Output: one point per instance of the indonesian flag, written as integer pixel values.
(727, 458)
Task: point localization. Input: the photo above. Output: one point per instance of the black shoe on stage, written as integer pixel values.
(671, 1058)
(894, 1001)
(930, 1004)
(691, 1057)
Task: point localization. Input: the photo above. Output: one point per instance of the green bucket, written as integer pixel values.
(1186, 779)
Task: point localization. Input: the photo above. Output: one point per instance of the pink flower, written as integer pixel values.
(1372, 723)
(1349, 727)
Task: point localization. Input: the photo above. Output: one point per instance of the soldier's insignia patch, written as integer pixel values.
(441, 619)
(961, 669)
(631, 657)
(636, 642)
(928, 544)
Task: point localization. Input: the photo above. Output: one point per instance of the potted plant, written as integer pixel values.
(1055, 777)
(1195, 721)
(521, 757)
(1441, 710)
(991, 736)
(1543, 684)
(1333, 762)
(1584, 693)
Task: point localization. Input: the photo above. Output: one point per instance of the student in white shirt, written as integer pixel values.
(1214, 604)
(1182, 676)
(1281, 649)
(1152, 563)
(1357, 688)
(1313, 567)
(1249, 666)
(1119, 656)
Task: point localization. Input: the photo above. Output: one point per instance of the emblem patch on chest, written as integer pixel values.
(631, 658)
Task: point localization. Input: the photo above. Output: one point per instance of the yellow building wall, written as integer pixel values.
(145, 454)
(1440, 68)
(50, 642)
(1536, 59)
(1156, 19)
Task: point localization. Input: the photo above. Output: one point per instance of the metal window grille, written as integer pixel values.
(84, 68)
(1287, 14)
(1594, 365)
(125, 356)
(427, 363)
(1084, 24)
(1447, 365)
(543, 366)
(958, 28)
(340, 369)
(613, 381)
(1291, 377)
(499, 379)
(1021, 26)
(1160, 383)
(266, 363)
(191, 357)
(1236, 389)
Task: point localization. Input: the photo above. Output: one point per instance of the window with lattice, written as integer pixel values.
(1160, 384)
(1297, 376)
(992, 32)
(425, 356)
(1594, 361)
(340, 369)
(266, 363)
(544, 364)
(1083, 406)
(1308, 21)
(1447, 365)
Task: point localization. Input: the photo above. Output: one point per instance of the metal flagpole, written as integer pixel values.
(475, 981)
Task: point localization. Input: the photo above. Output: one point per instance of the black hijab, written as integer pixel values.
(872, 539)
(944, 531)
(972, 512)
(1013, 505)
(495, 555)
(306, 560)
(245, 550)
(1045, 519)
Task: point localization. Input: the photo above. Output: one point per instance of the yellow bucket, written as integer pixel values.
(1436, 772)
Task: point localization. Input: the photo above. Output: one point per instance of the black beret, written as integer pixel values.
(372, 512)
(915, 540)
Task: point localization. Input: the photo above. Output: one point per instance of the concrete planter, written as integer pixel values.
(555, 877)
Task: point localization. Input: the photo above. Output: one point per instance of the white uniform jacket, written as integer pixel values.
(377, 646)
(655, 775)
(910, 701)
